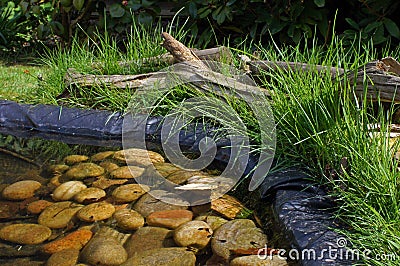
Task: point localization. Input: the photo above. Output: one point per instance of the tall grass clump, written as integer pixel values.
(104, 55)
(320, 123)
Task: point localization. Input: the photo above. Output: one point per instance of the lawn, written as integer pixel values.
(319, 122)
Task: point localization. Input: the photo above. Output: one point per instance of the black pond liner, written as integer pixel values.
(303, 210)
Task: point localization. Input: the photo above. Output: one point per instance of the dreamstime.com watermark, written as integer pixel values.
(340, 251)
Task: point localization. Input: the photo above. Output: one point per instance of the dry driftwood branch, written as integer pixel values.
(221, 54)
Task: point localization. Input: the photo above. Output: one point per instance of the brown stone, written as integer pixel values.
(38, 206)
(128, 219)
(21, 190)
(75, 240)
(129, 192)
(89, 195)
(74, 159)
(26, 234)
(162, 257)
(84, 170)
(66, 257)
(138, 157)
(170, 218)
(104, 183)
(257, 261)
(96, 212)
(196, 234)
(59, 214)
(126, 172)
(101, 156)
(109, 166)
(228, 206)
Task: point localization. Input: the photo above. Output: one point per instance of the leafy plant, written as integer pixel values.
(12, 29)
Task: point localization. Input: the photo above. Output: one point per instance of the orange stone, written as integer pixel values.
(38, 206)
(228, 206)
(75, 240)
(169, 218)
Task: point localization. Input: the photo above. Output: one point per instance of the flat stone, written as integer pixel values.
(129, 192)
(59, 214)
(66, 257)
(181, 176)
(101, 156)
(257, 261)
(138, 157)
(148, 204)
(89, 195)
(68, 190)
(170, 218)
(127, 172)
(149, 238)
(166, 169)
(162, 257)
(84, 170)
(26, 234)
(128, 219)
(228, 206)
(75, 240)
(109, 166)
(57, 168)
(102, 250)
(38, 206)
(235, 235)
(196, 234)
(74, 159)
(21, 190)
(104, 183)
(96, 212)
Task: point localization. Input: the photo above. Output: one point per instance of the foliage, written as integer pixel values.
(12, 29)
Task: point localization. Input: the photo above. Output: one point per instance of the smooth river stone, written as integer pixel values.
(181, 176)
(96, 212)
(103, 250)
(228, 206)
(257, 261)
(213, 221)
(84, 170)
(59, 214)
(196, 234)
(129, 192)
(126, 172)
(66, 257)
(170, 219)
(138, 157)
(109, 166)
(101, 156)
(162, 257)
(166, 169)
(73, 159)
(104, 183)
(75, 240)
(235, 235)
(89, 195)
(26, 234)
(57, 168)
(148, 204)
(149, 238)
(38, 206)
(68, 190)
(21, 190)
(128, 219)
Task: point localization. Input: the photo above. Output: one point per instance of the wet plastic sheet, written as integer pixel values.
(302, 209)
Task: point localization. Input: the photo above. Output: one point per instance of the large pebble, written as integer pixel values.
(26, 234)
(57, 168)
(196, 234)
(228, 206)
(181, 176)
(90, 195)
(102, 250)
(235, 235)
(104, 183)
(109, 166)
(101, 156)
(166, 169)
(83, 170)
(148, 238)
(96, 212)
(75, 158)
(213, 221)
(162, 257)
(59, 214)
(124, 172)
(75, 240)
(128, 219)
(66, 257)
(129, 193)
(150, 203)
(170, 218)
(138, 157)
(68, 190)
(38, 206)
(257, 261)
(21, 190)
